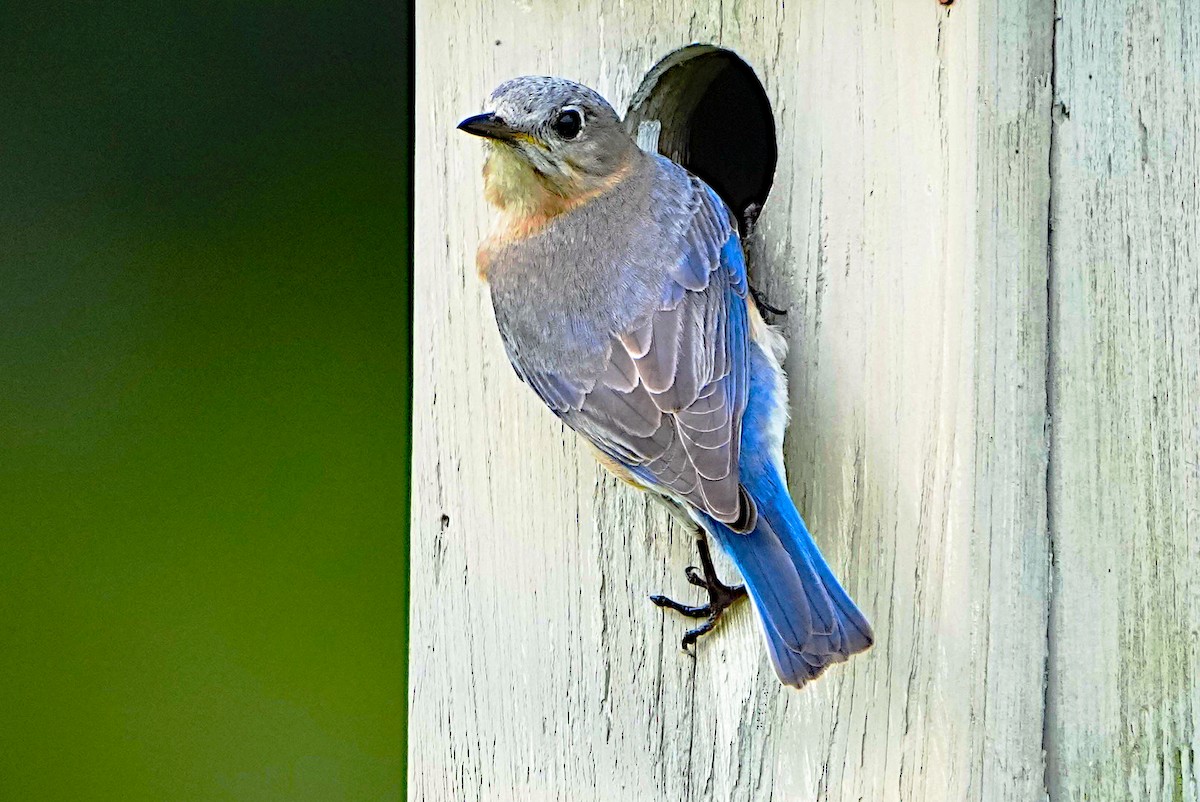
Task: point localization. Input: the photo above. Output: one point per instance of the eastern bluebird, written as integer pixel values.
(619, 288)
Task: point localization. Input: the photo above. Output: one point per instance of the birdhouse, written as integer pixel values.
(975, 225)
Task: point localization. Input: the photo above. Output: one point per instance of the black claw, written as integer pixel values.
(684, 609)
(763, 305)
(692, 635)
(720, 595)
(749, 218)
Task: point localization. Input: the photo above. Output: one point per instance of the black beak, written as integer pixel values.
(487, 125)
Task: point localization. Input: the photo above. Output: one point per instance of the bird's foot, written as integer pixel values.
(749, 218)
(763, 305)
(720, 596)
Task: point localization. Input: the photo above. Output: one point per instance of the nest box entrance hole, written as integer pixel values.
(703, 107)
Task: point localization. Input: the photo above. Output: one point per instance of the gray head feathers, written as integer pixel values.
(554, 142)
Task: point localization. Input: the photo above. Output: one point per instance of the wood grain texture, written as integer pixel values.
(907, 236)
(1125, 482)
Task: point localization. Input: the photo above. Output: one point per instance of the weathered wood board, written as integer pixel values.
(907, 234)
(1125, 399)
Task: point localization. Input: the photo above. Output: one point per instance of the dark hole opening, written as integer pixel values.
(704, 108)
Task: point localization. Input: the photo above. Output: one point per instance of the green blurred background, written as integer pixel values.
(204, 338)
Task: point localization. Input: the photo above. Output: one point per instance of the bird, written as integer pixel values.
(619, 287)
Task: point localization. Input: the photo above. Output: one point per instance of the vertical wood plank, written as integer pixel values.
(906, 234)
(1011, 353)
(1125, 489)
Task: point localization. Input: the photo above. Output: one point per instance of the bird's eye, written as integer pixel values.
(568, 124)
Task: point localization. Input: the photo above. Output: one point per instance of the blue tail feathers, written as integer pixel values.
(809, 620)
(807, 617)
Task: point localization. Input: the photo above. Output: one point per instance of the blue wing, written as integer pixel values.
(669, 404)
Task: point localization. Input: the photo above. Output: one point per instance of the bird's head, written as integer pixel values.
(553, 144)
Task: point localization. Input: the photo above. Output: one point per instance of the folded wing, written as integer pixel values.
(669, 403)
